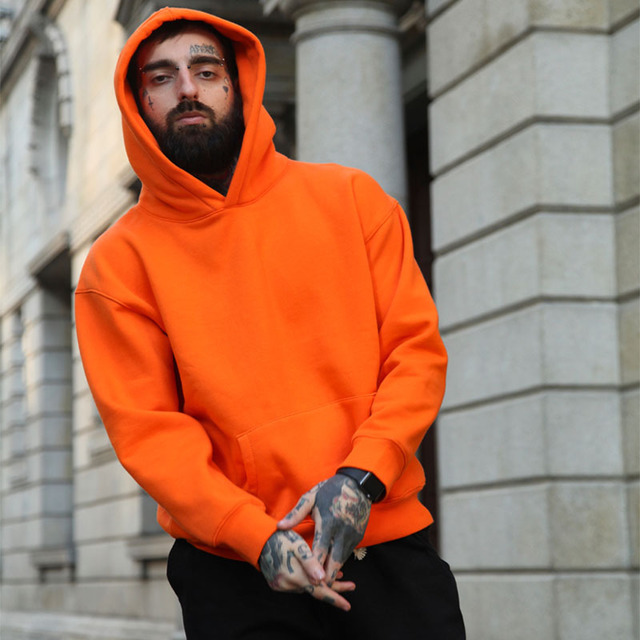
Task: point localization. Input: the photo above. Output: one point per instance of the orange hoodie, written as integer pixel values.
(242, 348)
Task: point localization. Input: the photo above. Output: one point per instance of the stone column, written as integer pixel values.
(348, 86)
(534, 138)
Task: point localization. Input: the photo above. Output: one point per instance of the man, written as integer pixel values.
(265, 356)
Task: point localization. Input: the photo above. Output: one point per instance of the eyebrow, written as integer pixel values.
(165, 62)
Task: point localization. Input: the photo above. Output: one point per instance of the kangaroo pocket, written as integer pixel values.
(285, 458)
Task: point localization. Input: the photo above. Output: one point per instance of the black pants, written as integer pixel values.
(404, 591)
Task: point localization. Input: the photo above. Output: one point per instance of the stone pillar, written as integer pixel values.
(534, 139)
(348, 86)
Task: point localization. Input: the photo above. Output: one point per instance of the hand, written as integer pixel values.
(288, 565)
(341, 513)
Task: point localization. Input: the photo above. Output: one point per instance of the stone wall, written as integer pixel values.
(534, 151)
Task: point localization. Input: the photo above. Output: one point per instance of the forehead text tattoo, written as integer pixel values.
(194, 49)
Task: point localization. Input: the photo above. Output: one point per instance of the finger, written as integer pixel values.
(328, 595)
(298, 513)
(321, 538)
(331, 569)
(309, 563)
(343, 587)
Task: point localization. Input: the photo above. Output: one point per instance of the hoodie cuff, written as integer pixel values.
(384, 458)
(245, 531)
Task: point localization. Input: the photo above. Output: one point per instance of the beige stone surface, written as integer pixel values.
(630, 341)
(541, 345)
(547, 74)
(627, 254)
(118, 518)
(495, 529)
(548, 254)
(106, 560)
(525, 603)
(626, 158)
(593, 607)
(619, 10)
(481, 28)
(557, 434)
(625, 67)
(630, 403)
(633, 506)
(588, 525)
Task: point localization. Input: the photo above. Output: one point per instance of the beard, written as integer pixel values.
(201, 149)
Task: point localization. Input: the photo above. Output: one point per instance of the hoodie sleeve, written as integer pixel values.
(130, 369)
(413, 359)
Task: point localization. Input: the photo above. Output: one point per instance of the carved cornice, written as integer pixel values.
(295, 8)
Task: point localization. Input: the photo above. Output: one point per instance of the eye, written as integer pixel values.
(161, 78)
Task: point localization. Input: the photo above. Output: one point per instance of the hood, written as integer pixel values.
(169, 191)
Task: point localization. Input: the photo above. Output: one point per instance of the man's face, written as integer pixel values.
(188, 101)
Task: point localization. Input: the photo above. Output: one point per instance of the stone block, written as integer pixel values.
(118, 518)
(495, 529)
(547, 74)
(626, 158)
(42, 303)
(17, 567)
(50, 333)
(588, 525)
(633, 509)
(621, 10)
(433, 6)
(627, 254)
(105, 560)
(537, 346)
(92, 448)
(547, 255)
(127, 601)
(492, 443)
(558, 433)
(20, 503)
(104, 482)
(48, 432)
(49, 398)
(567, 330)
(472, 31)
(49, 366)
(625, 78)
(630, 341)
(630, 403)
(52, 466)
(551, 165)
(20, 535)
(85, 413)
(13, 413)
(593, 607)
(504, 607)
(583, 433)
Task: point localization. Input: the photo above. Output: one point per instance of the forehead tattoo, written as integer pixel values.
(203, 48)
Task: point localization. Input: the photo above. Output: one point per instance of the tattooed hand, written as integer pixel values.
(341, 513)
(288, 565)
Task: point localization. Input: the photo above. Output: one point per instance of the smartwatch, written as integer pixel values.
(368, 483)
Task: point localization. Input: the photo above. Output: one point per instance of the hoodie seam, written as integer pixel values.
(303, 411)
(381, 223)
(119, 303)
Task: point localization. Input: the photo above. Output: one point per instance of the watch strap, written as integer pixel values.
(370, 485)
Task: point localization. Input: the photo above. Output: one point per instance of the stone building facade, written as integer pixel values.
(510, 131)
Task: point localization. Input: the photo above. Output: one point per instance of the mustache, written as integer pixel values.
(189, 105)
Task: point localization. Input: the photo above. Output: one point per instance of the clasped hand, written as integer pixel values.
(341, 512)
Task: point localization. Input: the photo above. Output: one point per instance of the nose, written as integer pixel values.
(187, 88)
